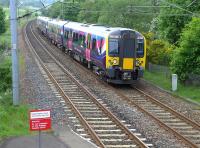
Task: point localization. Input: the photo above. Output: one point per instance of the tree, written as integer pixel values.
(172, 20)
(2, 21)
(117, 13)
(67, 10)
(186, 59)
(90, 11)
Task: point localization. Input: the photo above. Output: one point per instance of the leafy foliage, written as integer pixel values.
(5, 75)
(66, 10)
(108, 12)
(160, 52)
(116, 13)
(186, 59)
(2, 21)
(172, 20)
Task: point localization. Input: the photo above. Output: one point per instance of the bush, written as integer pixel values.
(159, 52)
(2, 21)
(5, 75)
(149, 36)
(186, 59)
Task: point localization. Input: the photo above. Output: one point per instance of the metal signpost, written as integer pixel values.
(15, 67)
(40, 120)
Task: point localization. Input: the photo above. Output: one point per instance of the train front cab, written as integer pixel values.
(125, 64)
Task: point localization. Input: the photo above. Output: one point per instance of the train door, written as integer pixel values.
(70, 40)
(127, 52)
(88, 47)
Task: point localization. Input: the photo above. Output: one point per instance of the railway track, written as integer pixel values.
(182, 127)
(99, 123)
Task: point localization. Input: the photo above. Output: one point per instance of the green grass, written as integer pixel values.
(191, 92)
(13, 119)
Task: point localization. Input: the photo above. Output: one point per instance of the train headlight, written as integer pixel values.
(115, 61)
(137, 63)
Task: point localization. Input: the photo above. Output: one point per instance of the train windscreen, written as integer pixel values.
(113, 47)
(140, 49)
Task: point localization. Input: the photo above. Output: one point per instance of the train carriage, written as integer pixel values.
(55, 31)
(116, 54)
(42, 23)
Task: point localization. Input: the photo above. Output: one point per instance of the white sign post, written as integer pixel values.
(174, 82)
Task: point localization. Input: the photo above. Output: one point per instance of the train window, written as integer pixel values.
(75, 37)
(70, 34)
(58, 30)
(100, 46)
(66, 34)
(132, 35)
(51, 28)
(140, 49)
(83, 41)
(80, 38)
(113, 47)
(94, 44)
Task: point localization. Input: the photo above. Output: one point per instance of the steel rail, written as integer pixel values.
(179, 115)
(168, 128)
(119, 123)
(83, 121)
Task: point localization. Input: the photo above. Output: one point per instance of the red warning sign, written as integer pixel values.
(40, 120)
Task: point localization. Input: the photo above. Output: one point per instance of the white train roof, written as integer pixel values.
(93, 28)
(87, 28)
(42, 18)
(57, 22)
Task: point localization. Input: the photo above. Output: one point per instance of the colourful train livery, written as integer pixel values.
(116, 54)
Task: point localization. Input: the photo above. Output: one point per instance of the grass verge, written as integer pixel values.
(13, 119)
(159, 79)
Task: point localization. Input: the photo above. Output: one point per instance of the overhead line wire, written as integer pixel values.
(191, 3)
(177, 6)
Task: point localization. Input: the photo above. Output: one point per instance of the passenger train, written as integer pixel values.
(116, 54)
